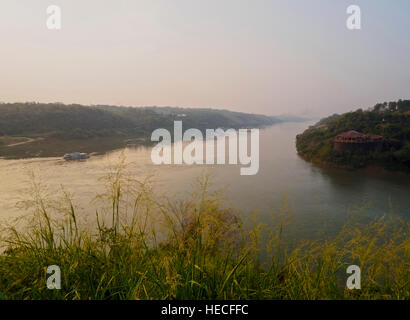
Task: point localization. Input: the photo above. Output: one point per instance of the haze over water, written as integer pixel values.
(318, 197)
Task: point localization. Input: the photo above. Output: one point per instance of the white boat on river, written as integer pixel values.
(76, 156)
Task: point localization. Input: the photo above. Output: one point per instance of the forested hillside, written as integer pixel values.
(77, 121)
(390, 120)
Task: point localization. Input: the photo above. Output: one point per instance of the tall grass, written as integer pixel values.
(141, 247)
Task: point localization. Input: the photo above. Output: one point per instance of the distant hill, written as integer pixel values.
(292, 118)
(81, 122)
(389, 120)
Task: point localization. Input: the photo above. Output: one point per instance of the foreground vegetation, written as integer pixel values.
(390, 120)
(146, 248)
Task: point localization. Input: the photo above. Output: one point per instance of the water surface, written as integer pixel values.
(320, 198)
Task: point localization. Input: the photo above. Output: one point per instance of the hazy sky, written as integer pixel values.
(260, 56)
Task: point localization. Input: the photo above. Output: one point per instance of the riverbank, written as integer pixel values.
(367, 168)
(56, 147)
(373, 138)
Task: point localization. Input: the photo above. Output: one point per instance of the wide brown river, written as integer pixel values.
(320, 198)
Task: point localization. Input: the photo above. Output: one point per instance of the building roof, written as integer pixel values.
(352, 134)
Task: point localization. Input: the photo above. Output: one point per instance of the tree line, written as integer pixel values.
(79, 121)
(389, 119)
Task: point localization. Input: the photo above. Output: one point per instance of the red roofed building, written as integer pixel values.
(353, 140)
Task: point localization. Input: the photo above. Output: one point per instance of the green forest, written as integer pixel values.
(389, 119)
(49, 130)
(82, 122)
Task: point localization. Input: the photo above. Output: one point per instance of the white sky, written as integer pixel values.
(259, 56)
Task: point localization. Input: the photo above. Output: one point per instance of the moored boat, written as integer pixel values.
(76, 156)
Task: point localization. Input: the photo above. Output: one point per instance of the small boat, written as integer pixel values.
(76, 156)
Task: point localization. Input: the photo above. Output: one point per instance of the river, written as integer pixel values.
(320, 199)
